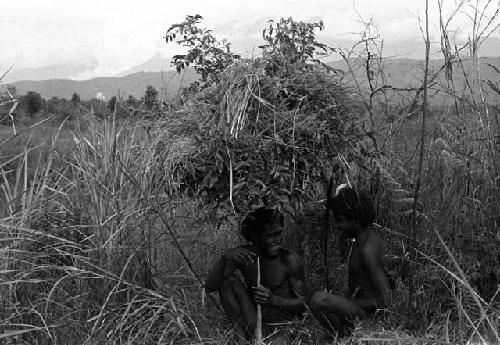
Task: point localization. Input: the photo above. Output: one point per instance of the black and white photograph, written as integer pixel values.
(250, 172)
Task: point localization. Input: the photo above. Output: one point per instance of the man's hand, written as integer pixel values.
(262, 295)
(239, 256)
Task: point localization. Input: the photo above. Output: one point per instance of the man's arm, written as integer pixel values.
(225, 266)
(375, 269)
(297, 284)
(218, 273)
(297, 278)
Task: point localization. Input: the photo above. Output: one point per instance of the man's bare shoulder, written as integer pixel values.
(291, 259)
(373, 247)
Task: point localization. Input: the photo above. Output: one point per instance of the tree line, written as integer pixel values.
(32, 104)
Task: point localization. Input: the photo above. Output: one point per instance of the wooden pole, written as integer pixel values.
(258, 326)
(412, 245)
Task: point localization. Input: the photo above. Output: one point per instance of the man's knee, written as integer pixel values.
(317, 301)
(234, 286)
(230, 282)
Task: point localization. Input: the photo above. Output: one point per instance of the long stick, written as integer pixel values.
(413, 242)
(328, 228)
(158, 209)
(258, 327)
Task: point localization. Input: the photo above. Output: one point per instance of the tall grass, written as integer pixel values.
(79, 240)
(88, 247)
(86, 256)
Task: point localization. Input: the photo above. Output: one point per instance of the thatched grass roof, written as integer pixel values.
(261, 138)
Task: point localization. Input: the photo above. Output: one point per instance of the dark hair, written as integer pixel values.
(353, 205)
(254, 222)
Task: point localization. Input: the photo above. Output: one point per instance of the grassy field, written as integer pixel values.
(109, 224)
(95, 247)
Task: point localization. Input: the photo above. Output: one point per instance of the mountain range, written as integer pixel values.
(245, 42)
(401, 73)
(135, 84)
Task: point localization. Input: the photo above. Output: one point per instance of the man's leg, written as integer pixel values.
(238, 304)
(334, 312)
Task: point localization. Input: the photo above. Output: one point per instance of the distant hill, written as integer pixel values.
(167, 83)
(62, 71)
(408, 73)
(156, 63)
(400, 73)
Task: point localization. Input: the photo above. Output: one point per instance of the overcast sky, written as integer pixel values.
(111, 36)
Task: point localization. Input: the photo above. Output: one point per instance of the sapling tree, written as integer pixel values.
(208, 55)
(289, 42)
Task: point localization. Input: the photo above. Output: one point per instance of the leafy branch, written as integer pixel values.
(206, 53)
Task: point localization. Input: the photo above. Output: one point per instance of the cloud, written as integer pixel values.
(121, 34)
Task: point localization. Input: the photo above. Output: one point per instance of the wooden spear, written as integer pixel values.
(258, 326)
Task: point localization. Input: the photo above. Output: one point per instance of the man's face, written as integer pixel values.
(271, 239)
(347, 226)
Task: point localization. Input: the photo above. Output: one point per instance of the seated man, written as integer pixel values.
(282, 291)
(369, 287)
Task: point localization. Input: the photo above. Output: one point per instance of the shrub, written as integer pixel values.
(32, 102)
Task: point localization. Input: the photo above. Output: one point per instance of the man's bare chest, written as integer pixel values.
(273, 274)
(355, 264)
